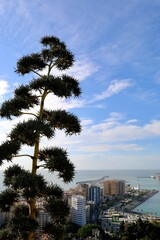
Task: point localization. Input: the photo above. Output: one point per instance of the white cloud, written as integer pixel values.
(5, 127)
(153, 128)
(116, 115)
(109, 136)
(115, 87)
(53, 102)
(112, 136)
(132, 121)
(114, 118)
(113, 131)
(82, 69)
(86, 122)
(3, 87)
(97, 105)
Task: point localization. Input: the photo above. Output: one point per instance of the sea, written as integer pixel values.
(134, 178)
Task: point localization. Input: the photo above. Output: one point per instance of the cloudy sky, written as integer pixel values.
(117, 50)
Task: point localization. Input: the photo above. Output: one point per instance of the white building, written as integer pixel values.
(43, 218)
(78, 210)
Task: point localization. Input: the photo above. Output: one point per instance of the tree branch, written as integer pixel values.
(36, 73)
(29, 113)
(50, 67)
(23, 155)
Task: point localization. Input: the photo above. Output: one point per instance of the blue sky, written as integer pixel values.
(117, 50)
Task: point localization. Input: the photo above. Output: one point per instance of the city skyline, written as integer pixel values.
(117, 61)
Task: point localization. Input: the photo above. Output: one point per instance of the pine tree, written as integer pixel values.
(29, 100)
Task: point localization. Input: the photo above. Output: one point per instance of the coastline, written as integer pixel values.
(139, 200)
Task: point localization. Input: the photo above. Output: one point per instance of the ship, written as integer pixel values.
(156, 176)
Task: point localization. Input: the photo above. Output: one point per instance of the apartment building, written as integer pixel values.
(78, 208)
(113, 187)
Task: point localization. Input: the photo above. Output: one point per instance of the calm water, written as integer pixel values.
(132, 177)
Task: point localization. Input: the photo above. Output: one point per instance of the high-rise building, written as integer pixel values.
(94, 193)
(113, 187)
(78, 209)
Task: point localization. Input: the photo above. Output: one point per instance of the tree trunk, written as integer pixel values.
(32, 202)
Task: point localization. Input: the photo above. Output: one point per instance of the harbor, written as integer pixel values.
(138, 200)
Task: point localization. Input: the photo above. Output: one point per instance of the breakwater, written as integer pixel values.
(95, 181)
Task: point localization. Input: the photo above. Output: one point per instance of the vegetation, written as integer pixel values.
(71, 230)
(23, 186)
(140, 230)
(91, 230)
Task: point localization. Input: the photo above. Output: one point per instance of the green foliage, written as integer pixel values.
(21, 211)
(140, 230)
(70, 231)
(57, 208)
(63, 59)
(54, 191)
(29, 186)
(8, 150)
(23, 99)
(71, 228)
(86, 230)
(61, 86)
(52, 157)
(19, 225)
(61, 119)
(22, 225)
(7, 198)
(30, 63)
(55, 230)
(28, 137)
(7, 234)
(10, 173)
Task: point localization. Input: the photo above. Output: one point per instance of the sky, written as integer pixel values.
(116, 45)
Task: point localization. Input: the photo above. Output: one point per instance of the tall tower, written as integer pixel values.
(79, 210)
(94, 194)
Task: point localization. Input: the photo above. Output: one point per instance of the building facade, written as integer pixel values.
(113, 187)
(94, 193)
(78, 208)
